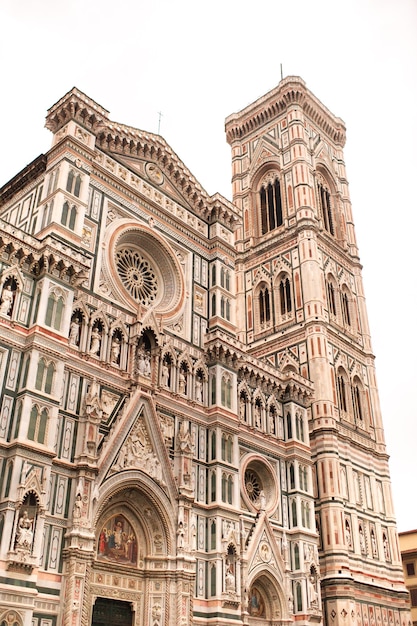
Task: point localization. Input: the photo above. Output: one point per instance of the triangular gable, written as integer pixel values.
(265, 150)
(263, 551)
(289, 359)
(137, 442)
(162, 183)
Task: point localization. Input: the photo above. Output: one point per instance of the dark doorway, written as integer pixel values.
(111, 613)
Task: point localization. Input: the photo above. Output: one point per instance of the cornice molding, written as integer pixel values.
(290, 91)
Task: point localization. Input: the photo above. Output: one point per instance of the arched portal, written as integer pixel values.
(265, 602)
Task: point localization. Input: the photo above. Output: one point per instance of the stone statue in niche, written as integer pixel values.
(312, 591)
(182, 383)
(115, 351)
(143, 362)
(74, 334)
(7, 298)
(95, 342)
(93, 403)
(230, 581)
(165, 376)
(78, 508)
(199, 390)
(24, 534)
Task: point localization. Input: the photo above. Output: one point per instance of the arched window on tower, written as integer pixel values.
(326, 206)
(264, 305)
(341, 390)
(271, 206)
(344, 296)
(358, 415)
(331, 299)
(289, 426)
(285, 298)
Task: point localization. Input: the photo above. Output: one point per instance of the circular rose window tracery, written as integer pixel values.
(137, 275)
(142, 269)
(253, 485)
(260, 488)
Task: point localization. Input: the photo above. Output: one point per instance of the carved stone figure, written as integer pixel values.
(230, 581)
(182, 388)
(198, 390)
(74, 334)
(78, 507)
(143, 362)
(165, 378)
(242, 409)
(312, 591)
(24, 535)
(6, 301)
(257, 416)
(95, 341)
(115, 351)
(92, 399)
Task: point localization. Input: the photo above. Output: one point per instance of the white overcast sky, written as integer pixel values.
(197, 62)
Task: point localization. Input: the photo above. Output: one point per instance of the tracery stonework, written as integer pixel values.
(137, 275)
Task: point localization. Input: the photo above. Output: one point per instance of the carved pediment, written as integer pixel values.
(137, 452)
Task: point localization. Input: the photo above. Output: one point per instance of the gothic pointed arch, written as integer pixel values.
(347, 307)
(332, 294)
(342, 390)
(289, 362)
(359, 402)
(200, 366)
(263, 311)
(327, 200)
(284, 297)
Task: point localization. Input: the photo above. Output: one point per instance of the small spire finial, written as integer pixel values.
(159, 122)
(282, 75)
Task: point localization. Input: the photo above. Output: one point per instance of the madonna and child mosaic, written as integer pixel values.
(117, 541)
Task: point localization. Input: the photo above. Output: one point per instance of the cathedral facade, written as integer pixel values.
(189, 424)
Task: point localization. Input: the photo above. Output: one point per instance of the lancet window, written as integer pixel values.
(326, 206)
(345, 308)
(357, 403)
(74, 183)
(285, 296)
(38, 422)
(341, 391)
(45, 376)
(331, 299)
(264, 305)
(54, 310)
(271, 206)
(68, 215)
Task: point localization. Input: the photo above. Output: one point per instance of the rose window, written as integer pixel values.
(253, 485)
(137, 275)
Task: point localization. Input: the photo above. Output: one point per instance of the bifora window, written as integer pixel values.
(137, 275)
(326, 207)
(271, 206)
